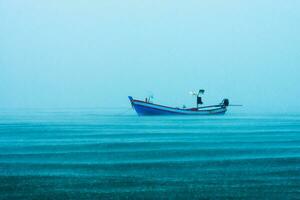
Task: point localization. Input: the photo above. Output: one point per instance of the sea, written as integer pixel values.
(105, 154)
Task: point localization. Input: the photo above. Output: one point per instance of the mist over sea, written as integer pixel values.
(95, 154)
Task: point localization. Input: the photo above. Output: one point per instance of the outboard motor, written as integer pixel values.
(225, 102)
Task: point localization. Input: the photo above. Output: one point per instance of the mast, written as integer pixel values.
(199, 98)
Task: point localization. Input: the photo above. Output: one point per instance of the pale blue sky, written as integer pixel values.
(58, 54)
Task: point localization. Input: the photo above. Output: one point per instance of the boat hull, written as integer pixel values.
(145, 108)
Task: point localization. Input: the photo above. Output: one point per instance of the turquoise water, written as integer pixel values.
(80, 154)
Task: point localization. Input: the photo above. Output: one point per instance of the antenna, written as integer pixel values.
(193, 93)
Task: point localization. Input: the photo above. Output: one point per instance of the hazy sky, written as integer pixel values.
(57, 54)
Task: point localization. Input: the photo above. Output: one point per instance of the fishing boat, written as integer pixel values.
(147, 107)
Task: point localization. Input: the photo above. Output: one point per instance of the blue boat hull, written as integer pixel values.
(145, 108)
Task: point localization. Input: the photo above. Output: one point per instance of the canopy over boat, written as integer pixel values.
(148, 108)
